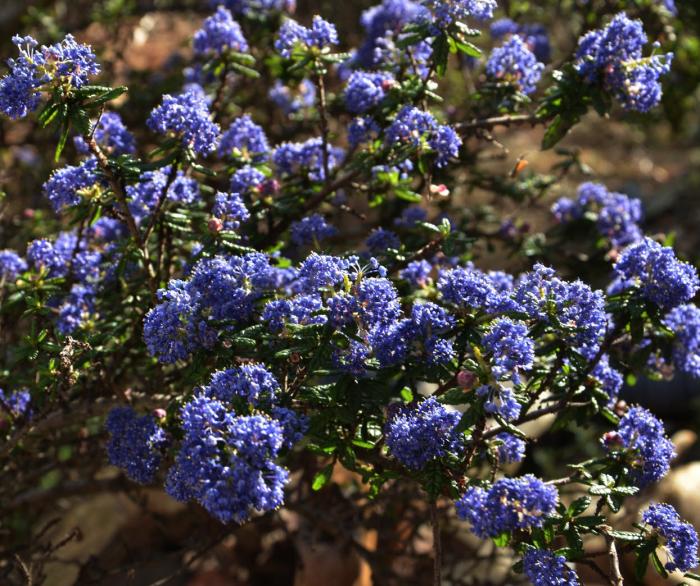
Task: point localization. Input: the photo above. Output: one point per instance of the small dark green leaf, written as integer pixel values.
(322, 477)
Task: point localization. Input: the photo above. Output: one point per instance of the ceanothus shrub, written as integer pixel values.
(219, 266)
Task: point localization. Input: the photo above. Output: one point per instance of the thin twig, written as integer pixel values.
(615, 574)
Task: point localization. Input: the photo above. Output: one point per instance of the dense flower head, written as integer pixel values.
(382, 24)
(64, 253)
(245, 139)
(145, 196)
(226, 461)
(447, 12)
(311, 230)
(534, 34)
(321, 35)
(610, 379)
(362, 129)
(66, 63)
(230, 208)
(11, 265)
(511, 449)
(291, 100)
(499, 400)
(17, 402)
(365, 90)
(515, 63)
(219, 33)
(684, 320)
(294, 157)
(546, 568)
(679, 537)
(654, 271)
(136, 443)
(417, 272)
(187, 116)
(613, 56)
(252, 382)
(380, 240)
(75, 309)
(650, 451)
(509, 504)
(63, 188)
(617, 215)
(411, 217)
(469, 288)
(111, 134)
(417, 435)
(175, 327)
(412, 126)
(577, 312)
(512, 350)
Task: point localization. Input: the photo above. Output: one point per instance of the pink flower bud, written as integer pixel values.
(465, 379)
(215, 225)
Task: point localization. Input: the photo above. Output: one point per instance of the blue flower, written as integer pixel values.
(511, 449)
(545, 568)
(252, 382)
(684, 320)
(11, 265)
(447, 12)
(417, 435)
(136, 443)
(511, 349)
(509, 504)
(187, 116)
(219, 33)
(64, 186)
(312, 229)
(612, 56)
(657, 274)
(499, 400)
(679, 537)
(321, 35)
(380, 240)
(292, 100)
(18, 402)
(365, 90)
(534, 34)
(111, 134)
(230, 208)
(646, 448)
(515, 63)
(245, 139)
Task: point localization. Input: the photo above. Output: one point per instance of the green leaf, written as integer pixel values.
(107, 96)
(557, 129)
(630, 536)
(441, 51)
(578, 506)
(468, 48)
(406, 395)
(243, 70)
(502, 539)
(658, 565)
(322, 477)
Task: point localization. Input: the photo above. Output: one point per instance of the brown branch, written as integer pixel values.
(507, 120)
(437, 544)
(615, 574)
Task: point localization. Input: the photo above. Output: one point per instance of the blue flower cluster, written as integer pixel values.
(511, 449)
(679, 537)
(573, 309)
(11, 265)
(617, 215)
(17, 402)
(322, 35)
(312, 229)
(516, 64)
(219, 33)
(245, 140)
(292, 100)
(65, 186)
(145, 196)
(187, 117)
(67, 64)
(292, 158)
(419, 129)
(447, 13)
(136, 443)
(534, 34)
(612, 56)
(512, 350)
(112, 136)
(418, 435)
(366, 90)
(509, 504)
(684, 321)
(644, 446)
(219, 288)
(654, 271)
(546, 568)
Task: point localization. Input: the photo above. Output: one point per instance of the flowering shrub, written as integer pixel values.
(212, 281)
